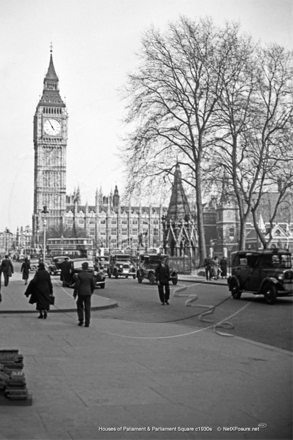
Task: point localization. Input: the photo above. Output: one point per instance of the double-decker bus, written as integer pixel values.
(72, 247)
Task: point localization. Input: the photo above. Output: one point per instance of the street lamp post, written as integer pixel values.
(44, 212)
(44, 246)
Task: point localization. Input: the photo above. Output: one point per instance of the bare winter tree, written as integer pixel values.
(254, 146)
(274, 125)
(173, 99)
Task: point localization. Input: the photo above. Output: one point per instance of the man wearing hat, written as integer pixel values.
(163, 277)
(84, 287)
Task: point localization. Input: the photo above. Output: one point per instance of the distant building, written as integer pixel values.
(114, 225)
(222, 224)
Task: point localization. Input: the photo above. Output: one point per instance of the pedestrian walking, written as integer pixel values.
(163, 277)
(40, 290)
(208, 268)
(25, 269)
(83, 290)
(7, 269)
(223, 266)
(215, 268)
(65, 272)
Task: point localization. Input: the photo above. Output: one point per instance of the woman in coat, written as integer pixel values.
(215, 268)
(25, 269)
(40, 289)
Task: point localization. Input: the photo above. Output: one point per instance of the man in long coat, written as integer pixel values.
(7, 269)
(163, 277)
(84, 287)
(25, 269)
(65, 272)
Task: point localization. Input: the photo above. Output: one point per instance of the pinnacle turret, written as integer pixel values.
(179, 206)
(51, 94)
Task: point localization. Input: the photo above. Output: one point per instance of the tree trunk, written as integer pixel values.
(200, 224)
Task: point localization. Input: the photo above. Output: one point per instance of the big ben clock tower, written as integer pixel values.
(50, 141)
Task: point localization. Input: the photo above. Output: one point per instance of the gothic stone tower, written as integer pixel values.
(50, 140)
(227, 222)
(180, 236)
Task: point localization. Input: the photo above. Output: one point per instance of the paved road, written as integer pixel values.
(251, 317)
(134, 369)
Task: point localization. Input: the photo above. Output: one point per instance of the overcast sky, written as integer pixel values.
(95, 43)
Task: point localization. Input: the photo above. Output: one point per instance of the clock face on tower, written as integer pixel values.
(52, 127)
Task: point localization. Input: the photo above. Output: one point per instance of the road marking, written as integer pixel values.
(60, 285)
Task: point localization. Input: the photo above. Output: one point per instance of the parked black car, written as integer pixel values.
(268, 272)
(76, 267)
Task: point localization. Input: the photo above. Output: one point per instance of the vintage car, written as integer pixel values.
(103, 263)
(268, 272)
(147, 268)
(76, 267)
(121, 266)
(57, 261)
(50, 266)
(34, 262)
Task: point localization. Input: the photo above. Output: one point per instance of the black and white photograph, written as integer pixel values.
(146, 227)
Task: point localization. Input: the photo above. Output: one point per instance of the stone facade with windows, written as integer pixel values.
(113, 225)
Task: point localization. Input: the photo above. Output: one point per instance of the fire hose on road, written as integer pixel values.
(192, 302)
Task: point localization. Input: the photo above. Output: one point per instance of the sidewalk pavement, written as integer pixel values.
(134, 380)
(64, 301)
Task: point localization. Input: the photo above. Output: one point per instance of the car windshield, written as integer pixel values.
(282, 260)
(78, 264)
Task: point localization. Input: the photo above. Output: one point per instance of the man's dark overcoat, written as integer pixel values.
(7, 266)
(163, 273)
(66, 272)
(25, 269)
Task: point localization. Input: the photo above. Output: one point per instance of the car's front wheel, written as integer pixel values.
(152, 278)
(102, 286)
(270, 293)
(235, 292)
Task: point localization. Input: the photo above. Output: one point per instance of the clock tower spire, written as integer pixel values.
(50, 143)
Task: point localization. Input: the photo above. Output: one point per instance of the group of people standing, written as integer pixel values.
(215, 268)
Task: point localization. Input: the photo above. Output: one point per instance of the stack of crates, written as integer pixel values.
(12, 380)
